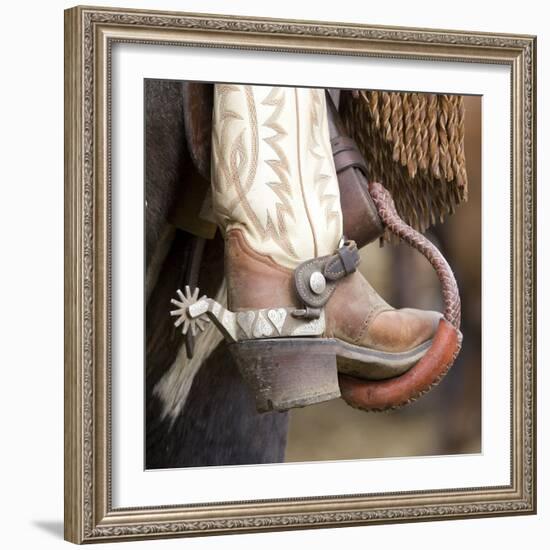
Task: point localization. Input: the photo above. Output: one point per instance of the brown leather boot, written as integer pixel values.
(372, 340)
(299, 311)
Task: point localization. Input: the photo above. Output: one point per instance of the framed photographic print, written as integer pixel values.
(300, 274)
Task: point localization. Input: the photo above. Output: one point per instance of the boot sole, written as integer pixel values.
(286, 373)
(370, 364)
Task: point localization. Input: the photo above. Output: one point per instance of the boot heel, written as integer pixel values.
(288, 372)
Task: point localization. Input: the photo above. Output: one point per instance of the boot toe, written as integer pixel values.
(401, 330)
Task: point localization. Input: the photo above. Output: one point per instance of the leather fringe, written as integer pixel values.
(414, 145)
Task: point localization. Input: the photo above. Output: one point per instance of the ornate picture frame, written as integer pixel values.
(90, 34)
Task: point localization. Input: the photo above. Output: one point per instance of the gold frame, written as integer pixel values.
(89, 35)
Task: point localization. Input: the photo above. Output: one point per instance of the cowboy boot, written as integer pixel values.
(299, 311)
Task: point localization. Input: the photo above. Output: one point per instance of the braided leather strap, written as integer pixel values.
(389, 216)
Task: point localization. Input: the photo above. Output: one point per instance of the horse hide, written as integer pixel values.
(167, 160)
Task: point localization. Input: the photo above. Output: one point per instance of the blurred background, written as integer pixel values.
(447, 420)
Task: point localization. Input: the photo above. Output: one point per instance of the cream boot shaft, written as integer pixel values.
(273, 173)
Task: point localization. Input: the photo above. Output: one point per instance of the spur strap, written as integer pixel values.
(316, 279)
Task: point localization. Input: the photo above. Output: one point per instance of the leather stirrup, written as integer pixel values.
(446, 344)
